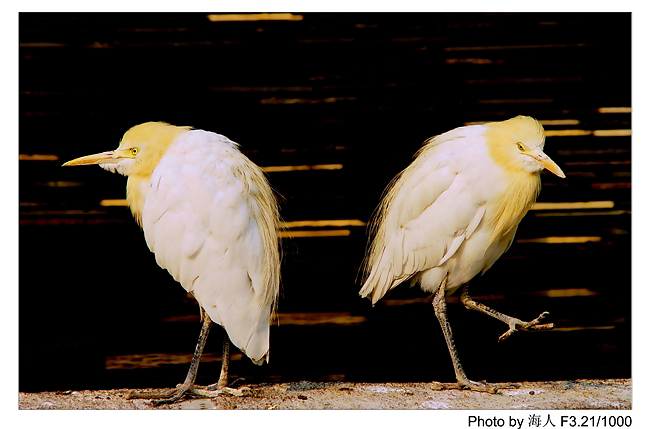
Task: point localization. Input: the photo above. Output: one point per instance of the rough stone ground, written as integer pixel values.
(613, 394)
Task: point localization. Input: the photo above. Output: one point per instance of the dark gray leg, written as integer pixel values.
(188, 388)
(440, 308)
(513, 323)
(225, 360)
(175, 394)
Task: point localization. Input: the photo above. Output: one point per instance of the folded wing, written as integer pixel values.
(214, 229)
(425, 216)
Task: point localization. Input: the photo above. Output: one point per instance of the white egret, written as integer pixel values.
(453, 212)
(210, 216)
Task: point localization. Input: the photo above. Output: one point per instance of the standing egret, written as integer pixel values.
(453, 212)
(210, 216)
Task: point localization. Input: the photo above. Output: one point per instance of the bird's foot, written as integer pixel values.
(173, 395)
(520, 325)
(242, 391)
(223, 384)
(476, 386)
(168, 397)
(222, 387)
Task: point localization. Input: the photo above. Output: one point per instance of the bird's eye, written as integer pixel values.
(134, 151)
(520, 147)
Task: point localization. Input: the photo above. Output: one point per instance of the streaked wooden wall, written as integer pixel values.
(333, 106)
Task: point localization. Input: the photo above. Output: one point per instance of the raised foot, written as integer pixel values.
(173, 395)
(476, 386)
(520, 325)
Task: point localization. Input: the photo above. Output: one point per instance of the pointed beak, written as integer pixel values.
(98, 158)
(547, 162)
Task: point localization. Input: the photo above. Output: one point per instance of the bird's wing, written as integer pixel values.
(203, 221)
(431, 210)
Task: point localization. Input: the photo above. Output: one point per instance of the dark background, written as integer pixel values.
(360, 90)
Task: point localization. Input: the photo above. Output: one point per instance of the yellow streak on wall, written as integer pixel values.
(541, 121)
(574, 205)
(303, 319)
(320, 233)
(559, 240)
(552, 133)
(112, 203)
(559, 122)
(279, 168)
(608, 133)
(329, 222)
(254, 17)
(582, 328)
(566, 293)
(37, 157)
(614, 110)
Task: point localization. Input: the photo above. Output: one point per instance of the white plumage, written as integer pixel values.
(436, 227)
(211, 219)
(453, 212)
(198, 218)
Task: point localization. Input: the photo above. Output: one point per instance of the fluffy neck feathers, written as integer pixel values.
(513, 204)
(523, 186)
(152, 139)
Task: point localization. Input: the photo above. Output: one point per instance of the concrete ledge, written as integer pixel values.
(612, 394)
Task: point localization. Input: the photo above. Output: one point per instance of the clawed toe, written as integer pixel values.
(167, 397)
(507, 334)
(519, 325)
(467, 385)
(242, 391)
(534, 322)
(212, 391)
(504, 386)
(475, 386)
(173, 395)
(222, 384)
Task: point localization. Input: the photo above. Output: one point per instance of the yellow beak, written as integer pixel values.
(109, 157)
(546, 162)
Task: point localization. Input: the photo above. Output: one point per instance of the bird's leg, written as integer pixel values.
(222, 385)
(225, 360)
(188, 387)
(513, 323)
(175, 394)
(462, 382)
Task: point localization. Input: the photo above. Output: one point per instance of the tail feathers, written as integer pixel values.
(252, 340)
(264, 358)
(242, 316)
(380, 281)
